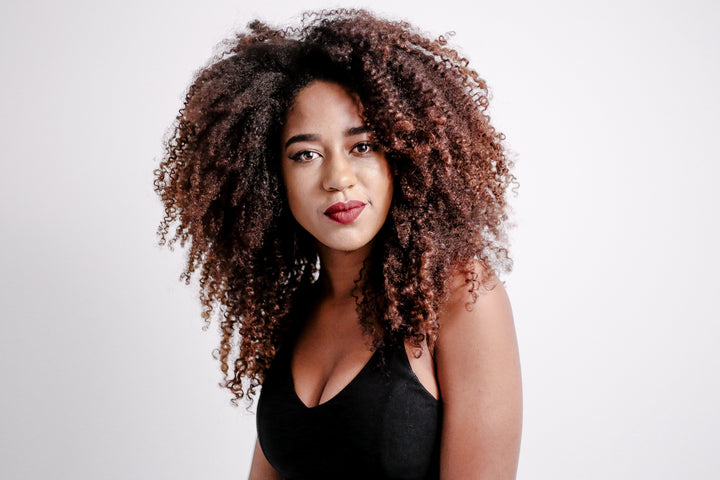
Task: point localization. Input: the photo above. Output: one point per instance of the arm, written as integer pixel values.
(260, 468)
(478, 371)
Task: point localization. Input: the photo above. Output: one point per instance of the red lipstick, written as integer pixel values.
(345, 212)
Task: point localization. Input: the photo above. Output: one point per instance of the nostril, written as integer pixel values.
(339, 176)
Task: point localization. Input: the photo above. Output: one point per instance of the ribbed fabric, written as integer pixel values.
(383, 425)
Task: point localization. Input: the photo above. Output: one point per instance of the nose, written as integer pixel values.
(339, 173)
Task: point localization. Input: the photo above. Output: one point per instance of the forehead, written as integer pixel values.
(323, 106)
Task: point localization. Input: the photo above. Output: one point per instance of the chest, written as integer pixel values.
(382, 424)
(331, 348)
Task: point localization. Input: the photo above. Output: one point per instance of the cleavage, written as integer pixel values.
(319, 377)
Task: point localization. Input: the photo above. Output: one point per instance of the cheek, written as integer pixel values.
(388, 183)
(292, 198)
(296, 195)
(289, 182)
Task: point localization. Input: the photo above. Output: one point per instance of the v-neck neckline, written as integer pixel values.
(340, 393)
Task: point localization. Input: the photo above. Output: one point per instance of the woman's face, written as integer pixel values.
(338, 183)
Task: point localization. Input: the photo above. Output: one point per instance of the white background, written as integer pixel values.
(612, 111)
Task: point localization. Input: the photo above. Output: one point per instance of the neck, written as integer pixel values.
(339, 270)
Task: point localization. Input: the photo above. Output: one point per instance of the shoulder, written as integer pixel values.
(475, 293)
(478, 372)
(476, 323)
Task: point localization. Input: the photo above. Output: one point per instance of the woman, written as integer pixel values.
(343, 194)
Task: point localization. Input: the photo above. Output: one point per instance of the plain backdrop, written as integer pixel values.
(611, 110)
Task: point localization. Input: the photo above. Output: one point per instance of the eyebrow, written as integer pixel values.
(358, 130)
(311, 137)
(305, 137)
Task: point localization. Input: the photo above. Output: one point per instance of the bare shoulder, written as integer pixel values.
(474, 305)
(476, 321)
(478, 371)
(461, 288)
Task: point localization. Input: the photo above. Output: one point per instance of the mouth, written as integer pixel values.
(345, 212)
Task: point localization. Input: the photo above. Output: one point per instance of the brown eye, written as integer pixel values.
(304, 156)
(364, 147)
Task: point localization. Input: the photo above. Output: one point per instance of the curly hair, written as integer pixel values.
(221, 186)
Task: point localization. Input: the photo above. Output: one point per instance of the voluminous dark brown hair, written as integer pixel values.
(221, 187)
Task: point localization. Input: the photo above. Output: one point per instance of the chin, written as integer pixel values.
(346, 246)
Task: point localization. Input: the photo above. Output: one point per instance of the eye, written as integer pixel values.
(304, 156)
(365, 147)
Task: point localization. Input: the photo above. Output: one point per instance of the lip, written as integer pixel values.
(345, 212)
(342, 206)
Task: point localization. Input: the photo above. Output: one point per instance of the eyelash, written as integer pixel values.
(371, 146)
(298, 157)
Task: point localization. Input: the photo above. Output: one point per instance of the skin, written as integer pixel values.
(327, 158)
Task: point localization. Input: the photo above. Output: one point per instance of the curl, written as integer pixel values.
(223, 196)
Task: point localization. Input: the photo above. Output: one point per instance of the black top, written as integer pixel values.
(383, 425)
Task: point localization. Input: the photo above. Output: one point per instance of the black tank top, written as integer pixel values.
(383, 425)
